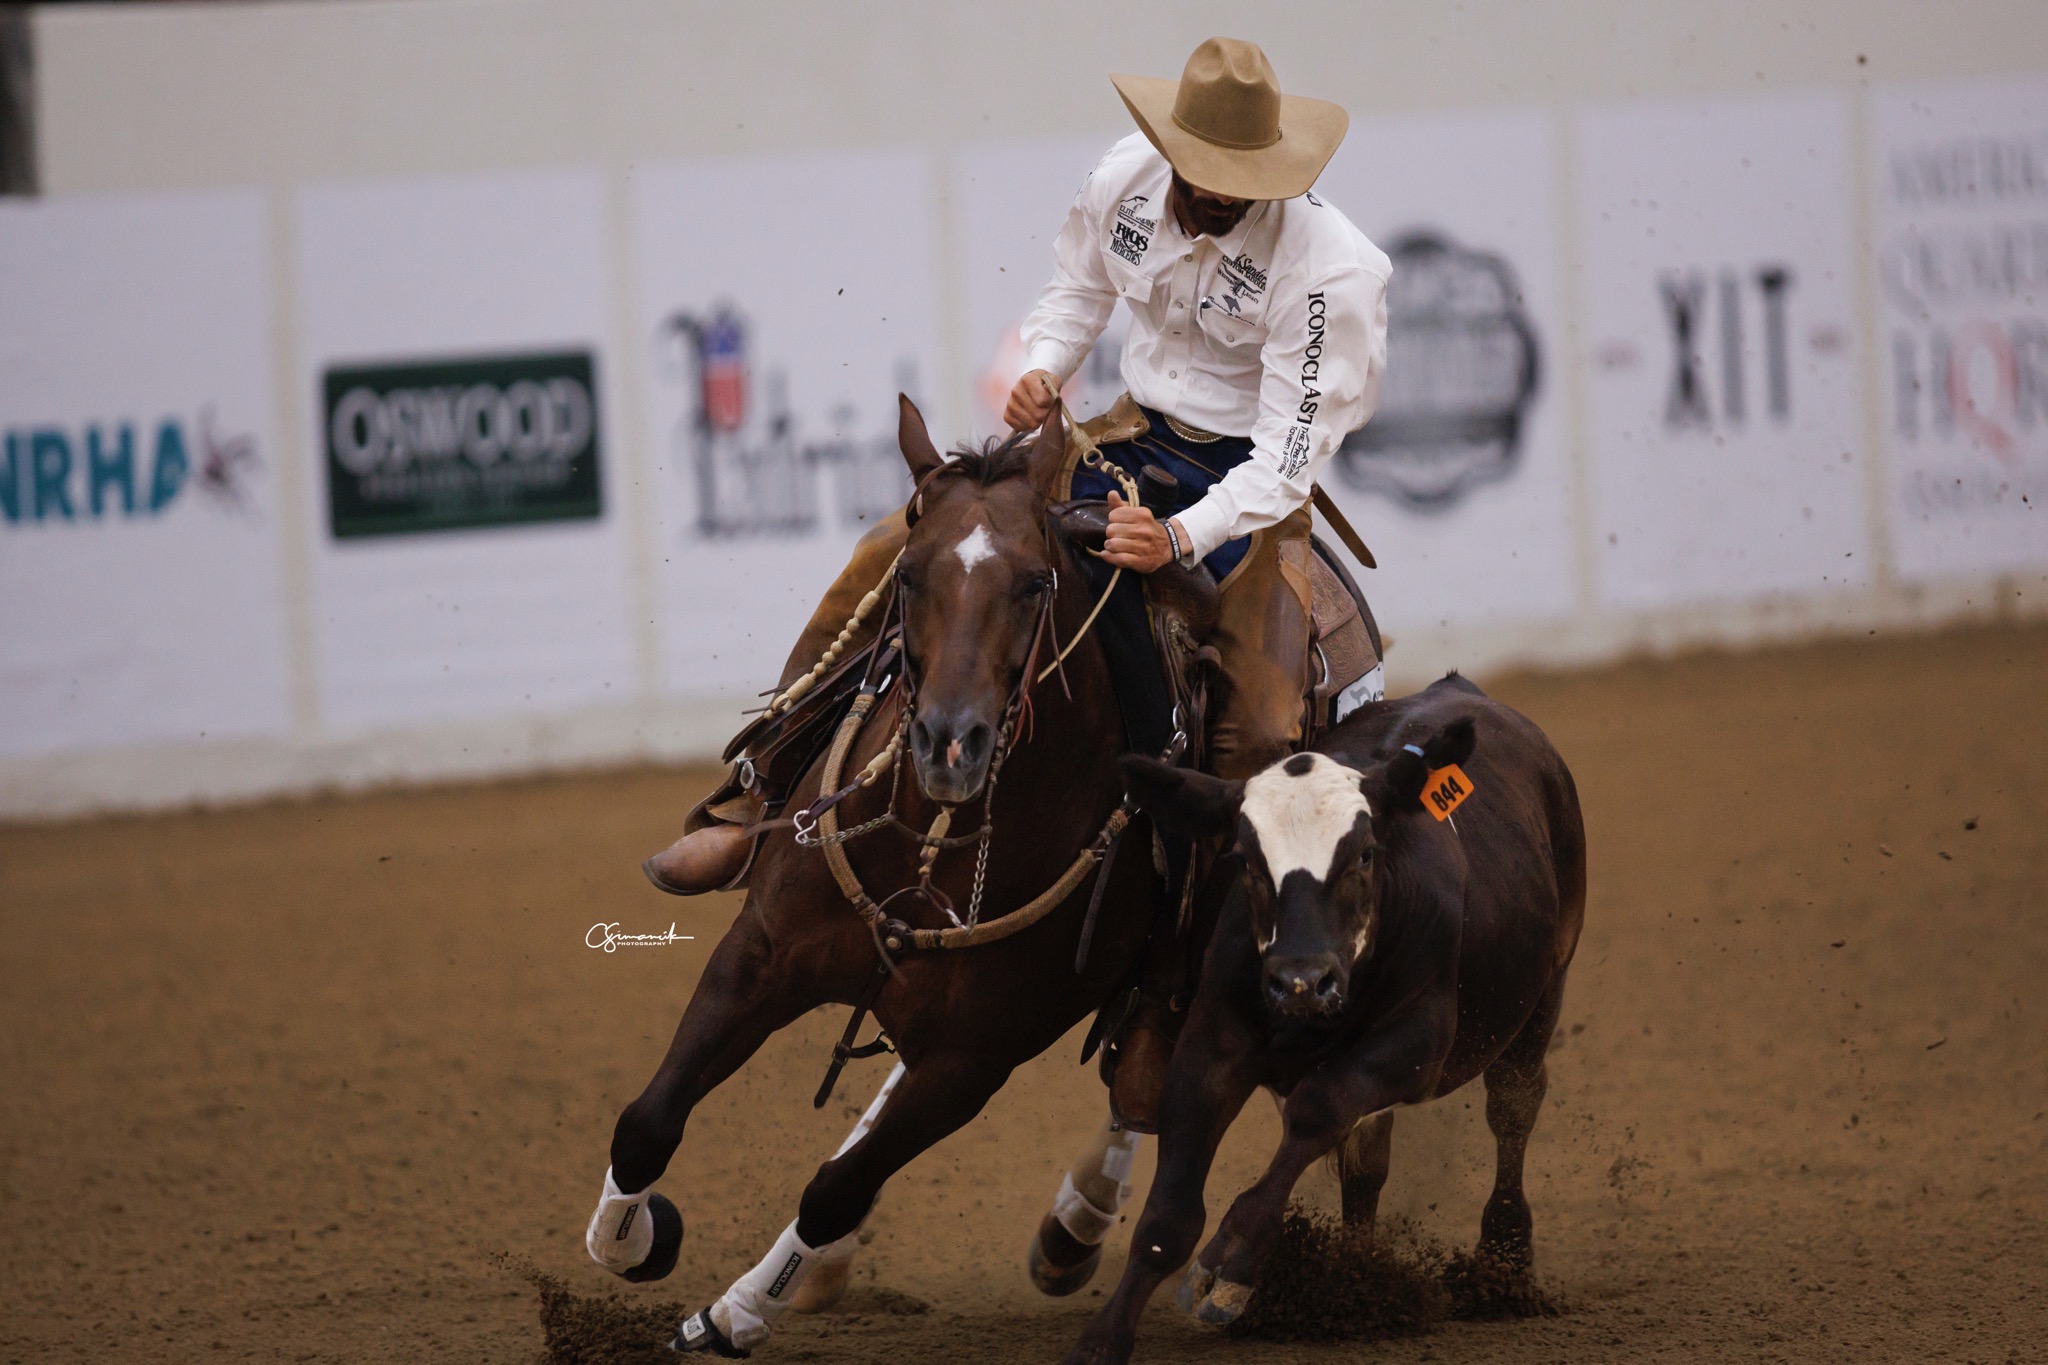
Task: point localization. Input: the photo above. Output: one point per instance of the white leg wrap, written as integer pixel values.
(1088, 1224)
(621, 1232)
(747, 1312)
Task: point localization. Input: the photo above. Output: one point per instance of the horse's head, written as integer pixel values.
(974, 583)
(1312, 837)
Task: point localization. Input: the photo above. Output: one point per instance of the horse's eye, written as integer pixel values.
(1038, 585)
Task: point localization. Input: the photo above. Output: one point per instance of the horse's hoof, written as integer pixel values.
(699, 1335)
(1194, 1286)
(1051, 1259)
(668, 1242)
(1223, 1304)
(825, 1287)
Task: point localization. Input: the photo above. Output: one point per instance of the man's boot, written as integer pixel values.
(714, 852)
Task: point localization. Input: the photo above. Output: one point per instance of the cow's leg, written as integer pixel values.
(1397, 1067)
(935, 1097)
(738, 1003)
(1067, 1247)
(1208, 1083)
(1515, 1083)
(1361, 1160)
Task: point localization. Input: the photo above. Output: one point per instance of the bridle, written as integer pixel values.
(817, 825)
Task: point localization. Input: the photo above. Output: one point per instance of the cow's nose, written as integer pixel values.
(1304, 987)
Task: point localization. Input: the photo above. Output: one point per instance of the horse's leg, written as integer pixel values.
(1515, 1083)
(1361, 1160)
(1067, 1247)
(738, 1003)
(1207, 1084)
(826, 1284)
(936, 1097)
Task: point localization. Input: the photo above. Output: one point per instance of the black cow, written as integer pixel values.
(1367, 955)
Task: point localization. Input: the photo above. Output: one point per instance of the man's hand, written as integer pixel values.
(1031, 400)
(1136, 539)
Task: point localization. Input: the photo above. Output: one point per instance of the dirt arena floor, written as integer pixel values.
(323, 1081)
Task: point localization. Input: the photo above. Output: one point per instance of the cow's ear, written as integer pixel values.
(1408, 771)
(916, 440)
(1180, 799)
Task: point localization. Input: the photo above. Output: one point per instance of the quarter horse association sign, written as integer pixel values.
(453, 444)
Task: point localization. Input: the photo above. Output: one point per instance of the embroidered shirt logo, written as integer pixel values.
(1133, 231)
(1294, 447)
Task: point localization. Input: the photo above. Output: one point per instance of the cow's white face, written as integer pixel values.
(1305, 831)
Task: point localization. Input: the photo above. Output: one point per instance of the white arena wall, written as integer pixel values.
(1724, 325)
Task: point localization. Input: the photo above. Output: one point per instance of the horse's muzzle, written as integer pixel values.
(950, 754)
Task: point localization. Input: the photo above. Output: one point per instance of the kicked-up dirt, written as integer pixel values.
(334, 1080)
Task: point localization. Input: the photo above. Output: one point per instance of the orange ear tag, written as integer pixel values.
(1445, 791)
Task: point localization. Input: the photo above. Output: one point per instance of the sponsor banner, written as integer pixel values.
(1009, 202)
(1959, 189)
(1725, 418)
(1462, 481)
(139, 521)
(774, 352)
(441, 445)
(471, 559)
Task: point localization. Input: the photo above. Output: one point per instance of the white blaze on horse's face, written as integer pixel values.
(974, 547)
(1301, 810)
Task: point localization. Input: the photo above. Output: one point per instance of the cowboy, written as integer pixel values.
(1257, 341)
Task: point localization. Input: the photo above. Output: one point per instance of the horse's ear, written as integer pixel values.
(916, 441)
(1182, 800)
(1049, 451)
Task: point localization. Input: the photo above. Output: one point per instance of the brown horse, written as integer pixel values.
(983, 583)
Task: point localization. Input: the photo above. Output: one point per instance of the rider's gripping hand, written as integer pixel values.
(1137, 540)
(1031, 400)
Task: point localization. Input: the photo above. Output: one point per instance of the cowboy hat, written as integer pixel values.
(1226, 128)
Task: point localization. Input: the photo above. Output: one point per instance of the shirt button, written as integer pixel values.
(1173, 374)
(1189, 257)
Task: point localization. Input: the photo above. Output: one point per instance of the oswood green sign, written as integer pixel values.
(452, 444)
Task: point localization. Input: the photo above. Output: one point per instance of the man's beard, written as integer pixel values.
(1206, 216)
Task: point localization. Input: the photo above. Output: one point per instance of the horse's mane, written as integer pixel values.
(996, 459)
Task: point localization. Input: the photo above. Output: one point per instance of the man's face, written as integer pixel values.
(1208, 214)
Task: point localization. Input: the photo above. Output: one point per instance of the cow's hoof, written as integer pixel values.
(822, 1290)
(1059, 1263)
(668, 1242)
(699, 1335)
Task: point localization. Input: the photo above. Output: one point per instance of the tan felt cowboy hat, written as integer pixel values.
(1225, 126)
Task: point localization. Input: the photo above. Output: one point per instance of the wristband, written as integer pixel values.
(1173, 539)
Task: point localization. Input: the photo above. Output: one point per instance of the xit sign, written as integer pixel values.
(455, 444)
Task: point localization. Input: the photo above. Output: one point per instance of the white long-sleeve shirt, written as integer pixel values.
(1276, 331)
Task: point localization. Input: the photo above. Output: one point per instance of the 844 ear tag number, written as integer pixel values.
(1445, 791)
